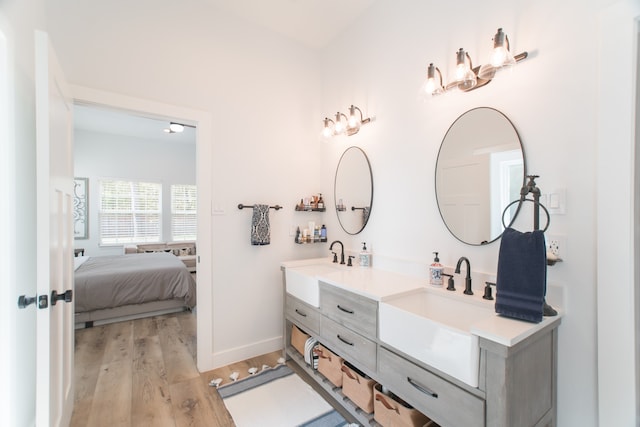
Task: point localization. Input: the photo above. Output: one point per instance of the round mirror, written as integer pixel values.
(353, 190)
(479, 171)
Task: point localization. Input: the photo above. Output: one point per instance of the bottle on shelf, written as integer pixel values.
(320, 202)
(323, 233)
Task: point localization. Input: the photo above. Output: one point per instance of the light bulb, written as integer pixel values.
(327, 129)
(353, 124)
(431, 86)
(464, 78)
(501, 55)
(339, 125)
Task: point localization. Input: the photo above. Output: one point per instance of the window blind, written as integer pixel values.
(130, 212)
(183, 212)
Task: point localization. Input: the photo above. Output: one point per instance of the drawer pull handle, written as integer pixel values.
(344, 341)
(346, 310)
(301, 313)
(422, 388)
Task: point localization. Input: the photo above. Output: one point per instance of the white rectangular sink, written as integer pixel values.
(302, 281)
(435, 329)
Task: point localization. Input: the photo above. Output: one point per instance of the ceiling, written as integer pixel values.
(314, 23)
(114, 122)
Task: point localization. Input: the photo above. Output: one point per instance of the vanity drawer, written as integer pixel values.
(303, 314)
(445, 403)
(351, 310)
(357, 349)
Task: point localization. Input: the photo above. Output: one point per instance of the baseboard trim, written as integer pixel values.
(237, 354)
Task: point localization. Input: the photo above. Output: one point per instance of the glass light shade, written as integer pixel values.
(339, 125)
(327, 129)
(354, 121)
(500, 59)
(463, 77)
(433, 85)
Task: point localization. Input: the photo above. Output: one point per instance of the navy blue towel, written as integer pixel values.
(521, 282)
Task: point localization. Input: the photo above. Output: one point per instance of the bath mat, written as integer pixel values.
(279, 398)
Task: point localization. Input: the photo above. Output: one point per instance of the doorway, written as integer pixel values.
(203, 124)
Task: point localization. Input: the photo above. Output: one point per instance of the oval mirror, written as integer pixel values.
(353, 190)
(479, 171)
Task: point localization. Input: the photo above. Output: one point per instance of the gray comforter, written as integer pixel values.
(113, 281)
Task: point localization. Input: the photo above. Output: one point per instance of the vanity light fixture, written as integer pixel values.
(342, 124)
(465, 77)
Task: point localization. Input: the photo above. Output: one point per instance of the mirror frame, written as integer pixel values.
(524, 176)
(335, 196)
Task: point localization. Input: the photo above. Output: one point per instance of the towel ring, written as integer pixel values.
(526, 200)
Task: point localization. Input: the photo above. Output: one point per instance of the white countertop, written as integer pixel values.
(381, 286)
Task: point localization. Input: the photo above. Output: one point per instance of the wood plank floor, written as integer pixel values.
(143, 373)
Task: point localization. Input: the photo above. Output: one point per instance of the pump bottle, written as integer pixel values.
(435, 271)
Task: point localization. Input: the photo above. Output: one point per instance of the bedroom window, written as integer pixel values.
(183, 212)
(130, 212)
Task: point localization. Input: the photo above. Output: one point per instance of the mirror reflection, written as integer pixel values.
(479, 171)
(353, 190)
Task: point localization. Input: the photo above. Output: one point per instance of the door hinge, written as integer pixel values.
(43, 301)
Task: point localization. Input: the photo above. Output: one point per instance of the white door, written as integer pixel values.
(54, 251)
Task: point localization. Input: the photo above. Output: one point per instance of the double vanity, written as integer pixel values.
(448, 355)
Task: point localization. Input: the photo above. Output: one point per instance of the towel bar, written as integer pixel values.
(276, 207)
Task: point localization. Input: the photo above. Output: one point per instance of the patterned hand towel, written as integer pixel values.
(521, 282)
(260, 229)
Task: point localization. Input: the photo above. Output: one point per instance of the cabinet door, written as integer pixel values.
(445, 403)
(303, 314)
(356, 312)
(352, 346)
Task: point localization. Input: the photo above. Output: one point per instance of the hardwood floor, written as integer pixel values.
(143, 373)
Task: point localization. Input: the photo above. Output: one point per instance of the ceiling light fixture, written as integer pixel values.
(342, 124)
(176, 127)
(465, 77)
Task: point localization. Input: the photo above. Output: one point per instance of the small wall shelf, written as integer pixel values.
(299, 209)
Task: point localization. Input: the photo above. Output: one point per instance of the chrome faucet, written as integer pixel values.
(467, 280)
(341, 251)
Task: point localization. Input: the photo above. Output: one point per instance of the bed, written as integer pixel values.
(119, 287)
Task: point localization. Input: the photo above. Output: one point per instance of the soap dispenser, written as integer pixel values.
(365, 256)
(435, 271)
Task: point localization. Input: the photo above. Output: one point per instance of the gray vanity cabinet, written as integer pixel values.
(517, 383)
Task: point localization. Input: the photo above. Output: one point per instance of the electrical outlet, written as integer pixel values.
(557, 245)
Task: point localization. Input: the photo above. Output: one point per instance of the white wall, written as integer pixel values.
(262, 91)
(98, 155)
(549, 98)
(268, 96)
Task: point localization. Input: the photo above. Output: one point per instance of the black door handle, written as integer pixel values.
(66, 297)
(24, 301)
